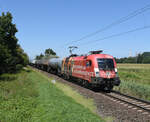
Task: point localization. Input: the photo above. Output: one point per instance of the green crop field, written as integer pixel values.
(135, 80)
(30, 96)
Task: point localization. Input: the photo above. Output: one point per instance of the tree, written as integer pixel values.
(38, 57)
(139, 58)
(146, 54)
(4, 58)
(12, 57)
(49, 52)
(130, 60)
(146, 57)
(146, 60)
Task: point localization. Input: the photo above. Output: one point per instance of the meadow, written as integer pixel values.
(31, 96)
(135, 80)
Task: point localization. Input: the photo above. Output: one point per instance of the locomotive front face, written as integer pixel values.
(105, 72)
(106, 68)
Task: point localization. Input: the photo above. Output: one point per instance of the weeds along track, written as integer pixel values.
(131, 102)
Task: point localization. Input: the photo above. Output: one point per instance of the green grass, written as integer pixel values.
(87, 103)
(135, 80)
(30, 96)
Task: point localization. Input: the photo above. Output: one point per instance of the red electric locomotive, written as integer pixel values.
(95, 70)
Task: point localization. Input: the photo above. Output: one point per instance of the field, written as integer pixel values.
(31, 96)
(135, 80)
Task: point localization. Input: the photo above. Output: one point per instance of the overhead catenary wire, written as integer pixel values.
(121, 20)
(116, 35)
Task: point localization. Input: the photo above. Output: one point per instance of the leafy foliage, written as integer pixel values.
(38, 57)
(49, 53)
(140, 58)
(12, 56)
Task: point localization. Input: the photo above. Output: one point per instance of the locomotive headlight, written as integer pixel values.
(96, 70)
(116, 72)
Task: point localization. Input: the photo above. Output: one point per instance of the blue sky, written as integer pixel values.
(52, 24)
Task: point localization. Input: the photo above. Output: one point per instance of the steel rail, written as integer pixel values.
(130, 100)
(131, 97)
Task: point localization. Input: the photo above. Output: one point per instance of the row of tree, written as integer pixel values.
(49, 53)
(12, 56)
(140, 58)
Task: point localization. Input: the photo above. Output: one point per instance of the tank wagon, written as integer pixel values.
(32, 63)
(50, 65)
(94, 70)
(40, 64)
(54, 66)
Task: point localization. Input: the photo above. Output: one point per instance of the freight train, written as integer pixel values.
(95, 70)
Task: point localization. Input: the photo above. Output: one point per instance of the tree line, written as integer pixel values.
(48, 53)
(12, 56)
(140, 58)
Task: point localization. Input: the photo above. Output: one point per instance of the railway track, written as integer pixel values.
(129, 101)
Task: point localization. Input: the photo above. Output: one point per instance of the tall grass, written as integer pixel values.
(135, 89)
(135, 80)
(17, 97)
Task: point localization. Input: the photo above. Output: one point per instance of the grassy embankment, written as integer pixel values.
(30, 96)
(135, 80)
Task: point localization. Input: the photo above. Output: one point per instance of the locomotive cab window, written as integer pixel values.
(105, 64)
(88, 63)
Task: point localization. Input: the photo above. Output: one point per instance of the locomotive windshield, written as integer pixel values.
(105, 64)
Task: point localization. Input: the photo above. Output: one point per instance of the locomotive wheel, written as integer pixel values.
(79, 81)
(108, 88)
(85, 83)
(66, 77)
(49, 70)
(59, 72)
